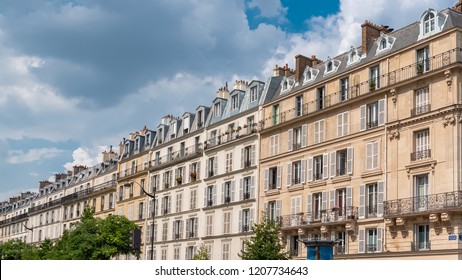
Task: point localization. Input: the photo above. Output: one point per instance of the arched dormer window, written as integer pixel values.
(309, 74)
(354, 55)
(331, 66)
(286, 84)
(431, 22)
(384, 43)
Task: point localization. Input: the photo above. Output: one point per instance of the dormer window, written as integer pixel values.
(309, 74)
(253, 94)
(431, 22)
(216, 110)
(137, 143)
(384, 42)
(354, 55)
(234, 102)
(173, 134)
(331, 66)
(286, 84)
(199, 119)
(148, 139)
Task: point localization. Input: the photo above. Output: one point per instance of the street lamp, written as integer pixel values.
(153, 196)
(32, 236)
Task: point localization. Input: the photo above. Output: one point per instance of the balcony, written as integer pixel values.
(386, 80)
(177, 156)
(247, 163)
(420, 110)
(192, 234)
(227, 199)
(246, 195)
(245, 228)
(420, 246)
(371, 248)
(231, 135)
(341, 171)
(315, 218)
(77, 195)
(372, 124)
(318, 176)
(371, 211)
(296, 181)
(421, 155)
(209, 203)
(339, 249)
(211, 173)
(296, 146)
(426, 203)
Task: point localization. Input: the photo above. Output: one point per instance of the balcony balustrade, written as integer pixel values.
(425, 203)
(177, 156)
(421, 155)
(230, 136)
(437, 62)
(420, 110)
(317, 217)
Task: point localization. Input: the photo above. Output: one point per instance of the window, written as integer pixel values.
(193, 199)
(164, 231)
(180, 175)
(299, 105)
(228, 192)
(155, 185)
(210, 196)
(423, 60)
(121, 193)
(331, 66)
(209, 225)
(342, 124)
(166, 204)
(371, 200)
(293, 245)
(179, 202)
(429, 23)
(421, 192)
(318, 167)
(371, 241)
(421, 102)
(272, 178)
(229, 162)
(296, 172)
(309, 74)
(344, 89)
(385, 42)
(353, 56)
(421, 145)
(227, 222)
(102, 203)
(225, 250)
(318, 131)
(191, 226)
(248, 156)
(212, 166)
(274, 145)
(317, 206)
(341, 247)
(320, 98)
(130, 188)
(339, 201)
(170, 154)
(167, 178)
(371, 208)
(177, 229)
(194, 172)
(253, 94)
(176, 253)
(341, 162)
(374, 78)
(295, 206)
(245, 220)
(276, 114)
(247, 190)
(234, 102)
(422, 237)
(216, 110)
(372, 115)
(372, 155)
(273, 210)
(297, 138)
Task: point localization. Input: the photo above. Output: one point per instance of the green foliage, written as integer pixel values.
(16, 250)
(264, 244)
(201, 254)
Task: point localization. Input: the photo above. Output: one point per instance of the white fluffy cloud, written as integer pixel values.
(86, 156)
(20, 156)
(269, 8)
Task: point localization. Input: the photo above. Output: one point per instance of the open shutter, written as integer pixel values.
(215, 166)
(196, 227)
(381, 111)
(252, 217)
(232, 191)
(310, 169)
(321, 130)
(187, 229)
(241, 189)
(362, 201)
(207, 167)
(349, 196)
(369, 155)
(324, 200)
(223, 193)
(332, 235)
(278, 181)
(379, 240)
(252, 156)
(214, 193)
(361, 244)
(303, 172)
(362, 118)
(198, 171)
(333, 161)
(265, 182)
(242, 157)
(240, 221)
(375, 152)
(205, 196)
(350, 160)
(278, 208)
(304, 134)
(252, 187)
(181, 230)
(380, 197)
(332, 199)
(290, 134)
(265, 209)
(309, 207)
(325, 167)
(289, 174)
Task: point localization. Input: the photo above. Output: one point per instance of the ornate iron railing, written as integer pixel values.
(324, 216)
(420, 110)
(424, 203)
(421, 246)
(421, 154)
(230, 136)
(177, 156)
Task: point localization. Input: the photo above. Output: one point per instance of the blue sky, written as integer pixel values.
(78, 76)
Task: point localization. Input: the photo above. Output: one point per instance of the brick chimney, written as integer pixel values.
(315, 60)
(301, 62)
(223, 92)
(110, 155)
(458, 6)
(370, 32)
(43, 184)
(278, 71)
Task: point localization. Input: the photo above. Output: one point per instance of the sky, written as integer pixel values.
(78, 76)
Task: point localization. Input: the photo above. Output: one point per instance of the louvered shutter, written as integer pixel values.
(325, 167)
(310, 169)
(332, 199)
(362, 201)
(362, 118)
(361, 244)
(265, 183)
(381, 111)
(252, 187)
(380, 198)
(241, 189)
(278, 181)
(379, 239)
(242, 157)
(289, 174)
(252, 156)
(290, 134)
(309, 207)
(303, 172)
(350, 160)
(333, 161)
(304, 135)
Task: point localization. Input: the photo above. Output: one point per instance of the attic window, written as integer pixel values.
(431, 22)
(234, 102)
(286, 84)
(354, 55)
(384, 43)
(216, 110)
(331, 66)
(253, 94)
(309, 74)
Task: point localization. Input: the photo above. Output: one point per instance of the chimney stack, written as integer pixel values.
(43, 184)
(223, 92)
(301, 62)
(370, 32)
(278, 71)
(110, 155)
(240, 85)
(315, 60)
(458, 6)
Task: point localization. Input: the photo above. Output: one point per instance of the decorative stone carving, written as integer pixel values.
(433, 218)
(350, 227)
(400, 222)
(393, 135)
(447, 73)
(389, 223)
(449, 120)
(324, 229)
(445, 217)
(394, 97)
(446, 58)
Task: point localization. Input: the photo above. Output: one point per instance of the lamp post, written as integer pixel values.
(32, 236)
(153, 213)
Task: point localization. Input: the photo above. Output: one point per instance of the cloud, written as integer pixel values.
(86, 156)
(19, 156)
(269, 8)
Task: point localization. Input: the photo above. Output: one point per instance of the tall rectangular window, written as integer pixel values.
(421, 102)
(422, 237)
(371, 241)
(299, 105)
(320, 98)
(193, 199)
(318, 131)
(227, 222)
(421, 145)
(421, 192)
(234, 102)
(372, 155)
(344, 89)
(423, 60)
(276, 114)
(372, 195)
(253, 94)
(374, 78)
(342, 124)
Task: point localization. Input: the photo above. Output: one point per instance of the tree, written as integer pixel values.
(265, 243)
(201, 254)
(16, 250)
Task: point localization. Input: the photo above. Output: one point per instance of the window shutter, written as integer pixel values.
(332, 199)
(169, 204)
(241, 189)
(339, 125)
(380, 197)
(309, 208)
(214, 193)
(350, 160)
(265, 209)
(324, 200)
(379, 239)
(321, 130)
(252, 156)
(207, 168)
(345, 123)
(375, 158)
(310, 169)
(278, 208)
(265, 183)
(362, 201)
(332, 235)
(289, 174)
(198, 171)
(276, 144)
(240, 221)
(333, 161)
(325, 168)
(304, 134)
(181, 229)
(303, 171)
(381, 111)
(206, 190)
(361, 245)
(290, 134)
(349, 196)
(316, 132)
(368, 155)
(362, 118)
(223, 193)
(252, 215)
(187, 228)
(196, 226)
(252, 187)
(271, 146)
(278, 181)
(215, 166)
(242, 157)
(232, 191)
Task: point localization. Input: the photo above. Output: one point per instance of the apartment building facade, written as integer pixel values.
(365, 148)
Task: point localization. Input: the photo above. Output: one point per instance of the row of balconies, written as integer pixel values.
(230, 136)
(405, 73)
(333, 215)
(173, 157)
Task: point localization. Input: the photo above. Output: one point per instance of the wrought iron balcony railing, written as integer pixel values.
(245, 228)
(246, 195)
(230, 136)
(421, 155)
(420, 110)
(421, 246)
(136, 169)
(177, 156)
(323, 216)
(371, 248)
(424, 203)
(371, 211)
(437, 62)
